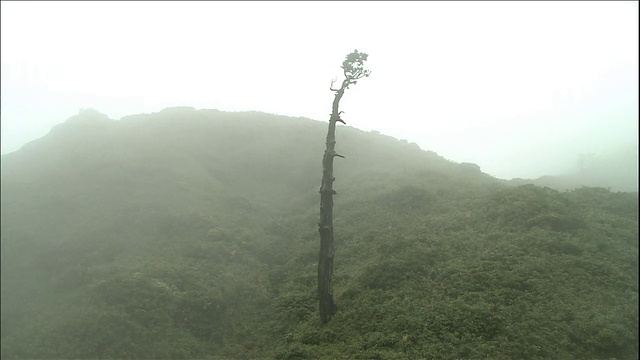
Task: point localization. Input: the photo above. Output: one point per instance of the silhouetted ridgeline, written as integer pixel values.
(193, 234)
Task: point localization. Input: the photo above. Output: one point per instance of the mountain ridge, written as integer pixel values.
(602, 174)
(193, 234)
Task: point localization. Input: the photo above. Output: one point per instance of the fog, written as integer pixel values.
(520, 88)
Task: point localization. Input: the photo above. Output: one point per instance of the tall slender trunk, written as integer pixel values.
(325, 226)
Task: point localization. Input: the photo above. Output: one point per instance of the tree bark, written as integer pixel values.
(353, 69)
(325, 226)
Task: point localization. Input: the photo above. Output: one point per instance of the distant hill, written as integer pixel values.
(193, 234)
(617, 171)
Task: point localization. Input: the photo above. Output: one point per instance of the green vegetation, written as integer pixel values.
(156, 237)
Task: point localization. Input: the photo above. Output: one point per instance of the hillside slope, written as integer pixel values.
(193, 234)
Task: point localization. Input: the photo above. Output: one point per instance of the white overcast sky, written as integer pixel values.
(520, 88)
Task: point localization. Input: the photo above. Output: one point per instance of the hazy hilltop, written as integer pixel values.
(193, 234)
(616, 170)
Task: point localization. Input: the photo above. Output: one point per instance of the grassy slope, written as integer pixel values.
(192, 234)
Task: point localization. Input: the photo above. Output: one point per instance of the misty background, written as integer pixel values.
(523, 89)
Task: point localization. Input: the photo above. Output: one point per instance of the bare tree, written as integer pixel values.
(353, 69)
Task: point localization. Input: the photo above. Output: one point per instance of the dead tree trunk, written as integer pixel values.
(325, 264)
(353, 70)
